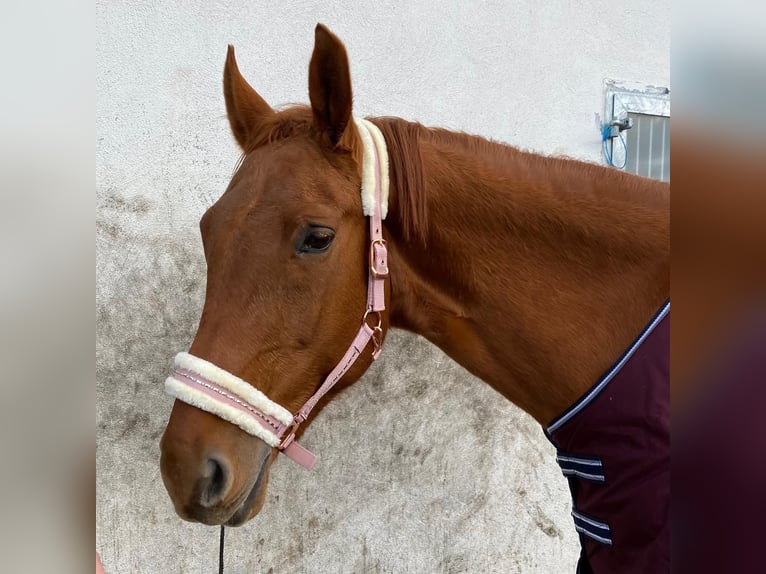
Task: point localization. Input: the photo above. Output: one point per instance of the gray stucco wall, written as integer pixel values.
(399, 487)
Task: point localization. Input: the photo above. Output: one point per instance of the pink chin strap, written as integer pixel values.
(212, 389)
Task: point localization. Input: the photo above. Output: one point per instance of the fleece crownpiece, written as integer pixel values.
(375, 166)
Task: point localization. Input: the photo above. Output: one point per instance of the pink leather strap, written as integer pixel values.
(378, 270)
(360, 342)
(297, 453)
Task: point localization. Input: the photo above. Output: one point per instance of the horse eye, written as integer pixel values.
(317, 240)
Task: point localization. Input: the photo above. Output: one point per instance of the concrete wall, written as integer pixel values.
(397, 489)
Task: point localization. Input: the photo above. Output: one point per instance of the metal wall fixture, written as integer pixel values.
(635, 128)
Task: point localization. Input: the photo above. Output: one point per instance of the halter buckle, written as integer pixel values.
(378, 274)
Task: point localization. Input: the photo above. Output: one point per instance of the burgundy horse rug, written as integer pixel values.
(614, 449)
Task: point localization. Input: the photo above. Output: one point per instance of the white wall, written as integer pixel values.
(489, 500)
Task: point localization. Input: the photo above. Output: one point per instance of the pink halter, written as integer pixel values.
(217, 391)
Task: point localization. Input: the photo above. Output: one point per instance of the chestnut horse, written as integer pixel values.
(534, 273)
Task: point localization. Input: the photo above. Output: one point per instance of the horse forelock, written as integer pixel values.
(286, 123)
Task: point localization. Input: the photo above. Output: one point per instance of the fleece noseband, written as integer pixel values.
(206, 386)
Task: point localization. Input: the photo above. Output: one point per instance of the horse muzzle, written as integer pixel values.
(213, 472)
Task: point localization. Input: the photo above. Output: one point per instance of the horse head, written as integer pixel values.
(287, 268)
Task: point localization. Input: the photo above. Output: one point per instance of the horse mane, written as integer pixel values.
(407, 174)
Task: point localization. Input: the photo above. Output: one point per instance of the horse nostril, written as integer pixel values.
(214, 482)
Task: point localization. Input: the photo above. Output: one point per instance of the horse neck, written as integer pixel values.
(533, 273)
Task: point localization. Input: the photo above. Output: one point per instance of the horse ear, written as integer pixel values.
(247, 110)
(330, 86)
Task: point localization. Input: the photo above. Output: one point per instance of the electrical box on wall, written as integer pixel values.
(635, 128)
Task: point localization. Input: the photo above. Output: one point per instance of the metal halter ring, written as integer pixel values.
(379, 326)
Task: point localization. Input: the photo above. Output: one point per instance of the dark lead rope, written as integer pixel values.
(220, 553)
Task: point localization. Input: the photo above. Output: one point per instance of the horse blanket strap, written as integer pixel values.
(206, 386)
(614, 449)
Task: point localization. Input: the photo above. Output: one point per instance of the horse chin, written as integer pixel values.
(255, 499)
